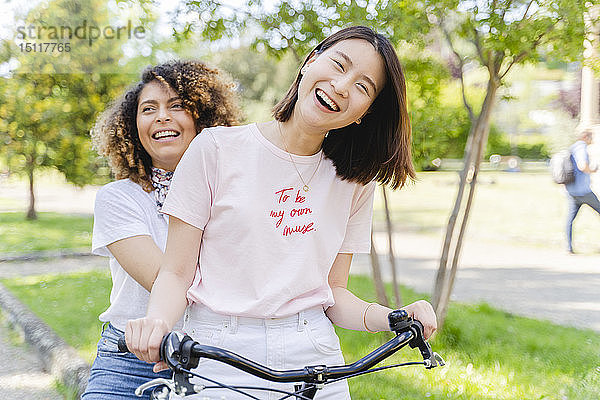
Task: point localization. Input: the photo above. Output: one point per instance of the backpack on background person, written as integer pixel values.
(562, 168)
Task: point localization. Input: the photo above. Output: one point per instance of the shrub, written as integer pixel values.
(498, 143)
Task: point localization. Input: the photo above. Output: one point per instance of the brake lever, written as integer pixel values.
(418, 341)
(176, 351)
(400, 322)
(139, 392)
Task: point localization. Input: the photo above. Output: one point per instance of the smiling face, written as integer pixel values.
(339, 85)
(164, 126)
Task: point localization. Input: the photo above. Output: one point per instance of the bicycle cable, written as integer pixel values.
(217, 383)
(296, 394)
(375, 370)
(236, 388)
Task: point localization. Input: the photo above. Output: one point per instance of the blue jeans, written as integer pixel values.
(115, 375)
(575, 203)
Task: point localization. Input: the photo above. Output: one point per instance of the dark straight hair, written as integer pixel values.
(379, 148)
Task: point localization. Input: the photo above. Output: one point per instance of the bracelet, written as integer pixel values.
(364, 318)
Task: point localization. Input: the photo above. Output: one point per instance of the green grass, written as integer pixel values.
(68, 303)
(50, 231)
(522, 208)
(67, 392)
(491, 354)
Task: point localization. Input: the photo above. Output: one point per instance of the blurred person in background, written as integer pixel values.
(579, 192)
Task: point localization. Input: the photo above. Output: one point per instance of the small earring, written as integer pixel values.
(358, 121)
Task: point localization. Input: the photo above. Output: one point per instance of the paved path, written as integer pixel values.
(10, 269)
(50, 195)
(21, 375)
(535, 282)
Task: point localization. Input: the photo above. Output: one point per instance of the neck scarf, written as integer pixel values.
(161, 180)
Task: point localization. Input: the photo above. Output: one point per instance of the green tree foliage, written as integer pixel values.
(498, 143)
(439, 130)
(50, 100)
(261, 80)
(495, 35)
(295, 27)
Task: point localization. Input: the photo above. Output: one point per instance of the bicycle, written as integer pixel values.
(182, 354)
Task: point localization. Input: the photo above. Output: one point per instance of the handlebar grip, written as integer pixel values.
(122, 344)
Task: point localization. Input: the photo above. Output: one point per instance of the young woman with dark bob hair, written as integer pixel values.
(143, 135)
(265, 218)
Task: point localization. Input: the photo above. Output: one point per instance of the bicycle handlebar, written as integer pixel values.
(180, 351)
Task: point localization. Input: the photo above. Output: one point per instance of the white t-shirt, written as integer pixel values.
(267, 245)
(123, 209)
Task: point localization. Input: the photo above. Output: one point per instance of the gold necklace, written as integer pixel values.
(305, 187)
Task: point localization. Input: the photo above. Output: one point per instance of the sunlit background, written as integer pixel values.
(514, 274)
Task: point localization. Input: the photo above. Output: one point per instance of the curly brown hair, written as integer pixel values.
(205, 93)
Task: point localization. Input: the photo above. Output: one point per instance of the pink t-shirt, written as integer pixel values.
(267, 245)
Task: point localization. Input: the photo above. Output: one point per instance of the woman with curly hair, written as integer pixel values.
(143, 135)
(289, 202)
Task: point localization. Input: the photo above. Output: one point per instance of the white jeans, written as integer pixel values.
(304, 339)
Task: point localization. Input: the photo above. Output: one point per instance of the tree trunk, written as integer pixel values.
(440, 278)
(480, 151)
(379, 286)
(445, 281)
(31, 214)
(388, 220)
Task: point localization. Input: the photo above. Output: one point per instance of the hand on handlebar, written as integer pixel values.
(182, 355)
(423, 312)
(144, 336)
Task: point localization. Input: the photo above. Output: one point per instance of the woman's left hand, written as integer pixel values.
(423, 312)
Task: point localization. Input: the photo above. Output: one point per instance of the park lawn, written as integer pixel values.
(51, 231)
(68, 303)
(526, 209)
(490, 354)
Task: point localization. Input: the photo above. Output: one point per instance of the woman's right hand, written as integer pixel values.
(144, 336)
(423, 312)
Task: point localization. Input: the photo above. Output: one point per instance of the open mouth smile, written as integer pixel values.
(326, 101)
(168, 134)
